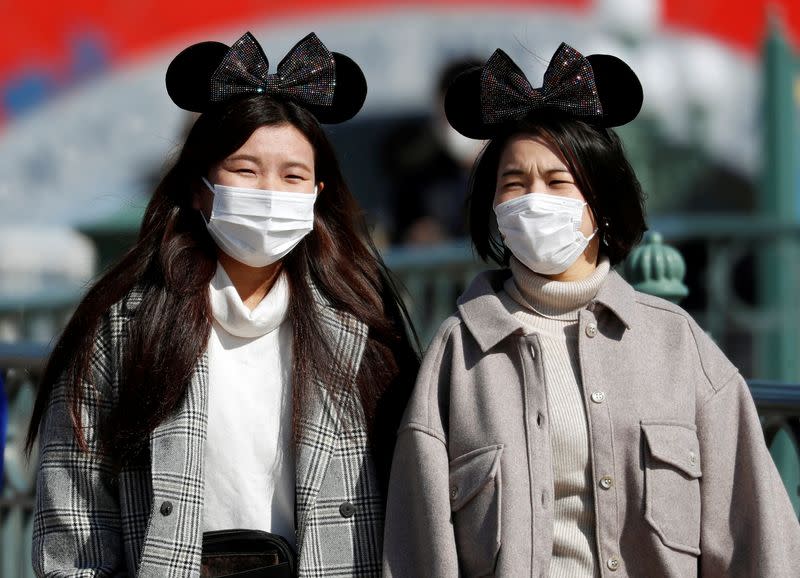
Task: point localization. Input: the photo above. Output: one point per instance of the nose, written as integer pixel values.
(538, 186)
(269, 182)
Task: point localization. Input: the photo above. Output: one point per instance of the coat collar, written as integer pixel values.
(483, 313)
(619, 297)
(489, 321)
(130, 303)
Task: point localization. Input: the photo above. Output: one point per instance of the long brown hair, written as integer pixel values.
(172, 264)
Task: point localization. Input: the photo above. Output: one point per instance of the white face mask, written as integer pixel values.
(543, 231)
(258, 227)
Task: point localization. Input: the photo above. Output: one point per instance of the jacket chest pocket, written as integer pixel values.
(672, 484)
(475, 500)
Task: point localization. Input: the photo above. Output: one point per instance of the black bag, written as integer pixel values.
(246, 554)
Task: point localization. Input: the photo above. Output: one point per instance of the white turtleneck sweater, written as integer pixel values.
(249, 461)
(550, 309)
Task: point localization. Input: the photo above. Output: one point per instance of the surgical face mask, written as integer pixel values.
(543, 231)
(258, 227)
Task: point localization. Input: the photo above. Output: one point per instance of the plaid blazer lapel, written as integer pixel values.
(323, 421)
(173, 543)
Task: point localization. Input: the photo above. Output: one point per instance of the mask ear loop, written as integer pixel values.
(596, 228)
(209, 185)
(213, 192)
(202, 216)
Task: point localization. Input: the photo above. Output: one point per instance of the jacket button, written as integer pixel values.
(453, 492)
(613, 563)
(598, 397)
(347, 510)
(166, 508)
(606, 482)
(591, 330)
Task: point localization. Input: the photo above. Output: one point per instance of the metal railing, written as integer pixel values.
(779, 408)
(21, 365)
(42, 313)
(432, 278)
(744, 293)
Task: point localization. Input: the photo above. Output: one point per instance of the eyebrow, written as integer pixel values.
(242, 157)
(297, 165)
(512, 172)
(515, 171)
(254, 159)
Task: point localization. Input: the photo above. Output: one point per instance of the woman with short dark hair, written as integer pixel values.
(229, 392)
(596, 160)
(563, 424)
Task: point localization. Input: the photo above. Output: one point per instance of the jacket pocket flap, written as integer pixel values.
(470, 473)
(674, 444)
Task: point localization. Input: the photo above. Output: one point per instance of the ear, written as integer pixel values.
(197, 192)
(196, 205)
(320, 186)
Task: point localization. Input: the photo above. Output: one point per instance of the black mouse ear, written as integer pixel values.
(619, 90)
(462, 106)
(349, 95)
(462, 103)
(189, 73)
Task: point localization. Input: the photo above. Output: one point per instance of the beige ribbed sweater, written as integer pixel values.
(550, 309)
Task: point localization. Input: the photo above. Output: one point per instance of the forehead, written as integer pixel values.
(276, 143)
(527, 149)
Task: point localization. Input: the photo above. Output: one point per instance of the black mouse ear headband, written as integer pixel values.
(328, 84)
(599, 89)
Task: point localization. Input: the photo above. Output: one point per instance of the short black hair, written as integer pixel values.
(595, 157)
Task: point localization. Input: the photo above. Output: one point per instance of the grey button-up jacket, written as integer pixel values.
(683, 482)
(147, 520)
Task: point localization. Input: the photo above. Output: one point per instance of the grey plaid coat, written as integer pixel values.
(147, 520)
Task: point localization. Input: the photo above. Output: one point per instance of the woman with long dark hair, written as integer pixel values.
(234, 384)
(564, 424)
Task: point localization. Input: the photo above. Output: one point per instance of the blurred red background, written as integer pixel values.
(44, 50)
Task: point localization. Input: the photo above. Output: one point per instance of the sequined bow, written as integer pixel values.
(307, 75)
(569, 87)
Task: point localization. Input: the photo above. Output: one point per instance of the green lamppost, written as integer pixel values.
(780, 200)
(657, 269)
